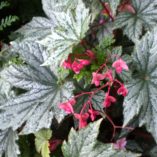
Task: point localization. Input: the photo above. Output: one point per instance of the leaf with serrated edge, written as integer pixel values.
(56, 6)
(113, 5)
(107, 150)
(84, 143)
(132, 23)
(68, 32)
(38, 28)
(42, 142)
(97, 100)
(140, 104)
(37, 106)
(8, 143)
(8, 137)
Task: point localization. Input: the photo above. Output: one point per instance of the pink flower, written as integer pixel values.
(84, 61)
(120, 144)
(108, 75)
(53, 144)
(76, 67)
(126, 7)
(122, 91)
(68, 106)
(90, 54)
(97, 78)
(93, 114)
(82, 119)
(67, 63)
(119, 65)
(109, 100)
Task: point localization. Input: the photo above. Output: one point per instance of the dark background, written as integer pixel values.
(24, 9)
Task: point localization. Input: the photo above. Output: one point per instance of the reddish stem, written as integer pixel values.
(106, 9)
(114, 126)
(101, 67)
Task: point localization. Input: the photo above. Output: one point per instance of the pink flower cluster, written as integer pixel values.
(97, 77)
(119, 65)
(78, 64)
(82, 117)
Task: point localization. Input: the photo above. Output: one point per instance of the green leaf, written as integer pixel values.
(8, 143)
(145, 16)
(70, 29)
(84, 143)
(42, 142)
(4, 4)
(39, 104)
(7, 21)
(140, 104)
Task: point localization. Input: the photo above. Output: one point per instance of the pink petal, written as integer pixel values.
(67, 106)
(122, 91)
(76, 67)
(82, 119)
(93, 114)
(108, 75)
(67, 63)
(119, 65)
(72, 101)
(109, 100)
(97, 78)
(53, 144)
(127, 8)
(90, 54)
(84, 61)
(120, 144)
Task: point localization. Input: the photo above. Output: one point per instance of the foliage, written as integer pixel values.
(71, 68)
(133, 23)
(141, 100)
(42, 142)
(8, 20)
(84, 143)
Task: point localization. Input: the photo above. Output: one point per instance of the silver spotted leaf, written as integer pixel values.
(39, 27)
(141, 103)
(81, 143)
(145, 16)
(70, 29)
(8, 137)
(107, 150)
(8, 145)
(94, 6)
(97, 100)
(39, 104)
(36, 29)
(56, 6)
(84, 144)
(113, 5)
